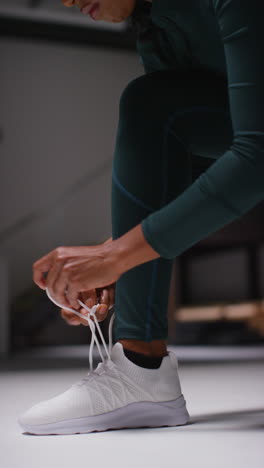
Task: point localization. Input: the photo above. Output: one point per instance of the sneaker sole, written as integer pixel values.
(134, 415)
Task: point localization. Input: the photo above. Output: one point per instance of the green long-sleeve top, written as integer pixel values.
(226, 36)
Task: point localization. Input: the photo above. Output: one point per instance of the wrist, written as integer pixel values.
(130, 250)
(108, 240)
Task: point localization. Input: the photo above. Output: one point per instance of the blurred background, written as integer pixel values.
(61, 78)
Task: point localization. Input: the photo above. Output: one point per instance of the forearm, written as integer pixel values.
(108, 240)
(228, 189)
(130, 250)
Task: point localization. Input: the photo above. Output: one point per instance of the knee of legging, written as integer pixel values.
(137, 97)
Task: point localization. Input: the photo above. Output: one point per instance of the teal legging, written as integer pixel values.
(172, 126)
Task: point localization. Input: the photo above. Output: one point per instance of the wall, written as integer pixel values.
(59, 115)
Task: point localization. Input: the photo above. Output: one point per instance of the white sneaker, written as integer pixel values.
(117, 394)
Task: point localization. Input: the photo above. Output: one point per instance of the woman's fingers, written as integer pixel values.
(40, 267)
(73, 319)
(70, 317)
(105, 298)
(103, 308)
(89, 298)
(56, 284)
(111, 295)
(50, 265)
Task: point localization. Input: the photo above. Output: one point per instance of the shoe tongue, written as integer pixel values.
(117, 353)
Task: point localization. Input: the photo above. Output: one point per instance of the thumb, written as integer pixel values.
(102, 309)
(89, 297)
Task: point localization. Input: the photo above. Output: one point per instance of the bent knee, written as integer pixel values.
(139, 95)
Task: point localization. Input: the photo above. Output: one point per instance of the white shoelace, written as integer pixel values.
(107, 365)
(92, 311)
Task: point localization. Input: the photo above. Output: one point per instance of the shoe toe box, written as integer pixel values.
(69, 405)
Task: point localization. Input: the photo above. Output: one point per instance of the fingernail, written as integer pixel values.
(105, 293)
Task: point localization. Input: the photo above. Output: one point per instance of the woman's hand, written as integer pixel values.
(104, 296)
(77, 269)
(72, 270)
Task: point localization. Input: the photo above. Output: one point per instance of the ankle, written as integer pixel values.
(155, 348)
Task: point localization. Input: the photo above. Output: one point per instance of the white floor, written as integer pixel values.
(225, 401)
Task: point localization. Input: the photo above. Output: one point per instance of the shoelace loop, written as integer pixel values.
(92, 311)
